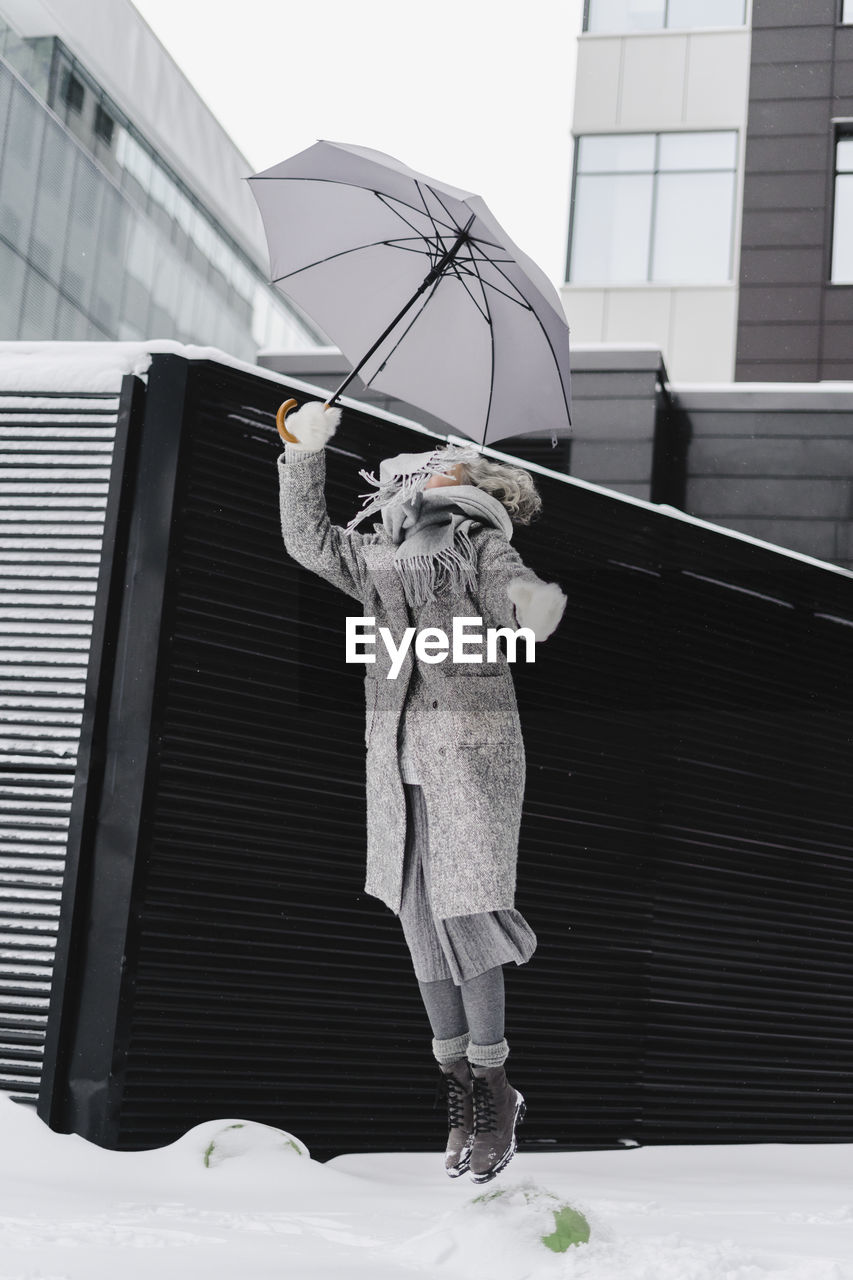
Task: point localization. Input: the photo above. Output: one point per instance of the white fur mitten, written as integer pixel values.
(538, 605)
(313, 425)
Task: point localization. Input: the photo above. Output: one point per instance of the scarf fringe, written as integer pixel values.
(423, 575)
(400, 489)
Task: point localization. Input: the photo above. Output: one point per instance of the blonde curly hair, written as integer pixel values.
(513, 486)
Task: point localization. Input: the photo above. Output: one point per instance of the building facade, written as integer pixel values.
(712, 196)
(124, 211)
(796, 267)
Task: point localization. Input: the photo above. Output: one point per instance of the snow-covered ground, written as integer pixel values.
(245, 1203)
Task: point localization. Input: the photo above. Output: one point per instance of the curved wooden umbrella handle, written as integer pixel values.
(280, 416)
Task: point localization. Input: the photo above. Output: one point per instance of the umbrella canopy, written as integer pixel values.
(419, 275)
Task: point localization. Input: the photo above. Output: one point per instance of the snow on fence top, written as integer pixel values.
(100, 366)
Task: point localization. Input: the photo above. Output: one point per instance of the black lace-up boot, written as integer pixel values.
(456, 1085)
(498, 1108)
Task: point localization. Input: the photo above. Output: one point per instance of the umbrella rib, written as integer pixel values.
(478, 240)
(425, 251)
(458, 275)
(357, 186)
(385, 200)
(389, 202)
(523, 301)
(492, 343)
(454, 228)
(471, 239)
(450, 226)
(441, 202)
(547, 337)
(356, 248)
(512, 286)
(459, 265)
(488, 257)
(519, 301)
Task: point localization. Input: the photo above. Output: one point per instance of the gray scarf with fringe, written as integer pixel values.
(432, 527)
(433, 536)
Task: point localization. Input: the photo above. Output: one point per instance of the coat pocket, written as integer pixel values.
(461, 669)
(484, 712)
(487, 728)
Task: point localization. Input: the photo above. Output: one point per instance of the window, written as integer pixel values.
(653, 207)
(72, 90)
(847, 10)
(104, 125)
(135, 160)
(625, 16)
(163, 191)
(842, 228)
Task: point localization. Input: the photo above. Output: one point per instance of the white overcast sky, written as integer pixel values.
(477, 93)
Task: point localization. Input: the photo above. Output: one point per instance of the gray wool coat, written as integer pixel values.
(462, 720)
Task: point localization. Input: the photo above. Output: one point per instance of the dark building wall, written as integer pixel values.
(773, 464)
(793, 325)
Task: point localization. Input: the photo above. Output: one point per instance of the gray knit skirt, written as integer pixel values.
(459, 947)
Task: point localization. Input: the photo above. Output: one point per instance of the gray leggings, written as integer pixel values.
(475, 1006)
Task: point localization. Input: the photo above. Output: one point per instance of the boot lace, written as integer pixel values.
(485, 1113)
(453, 1092)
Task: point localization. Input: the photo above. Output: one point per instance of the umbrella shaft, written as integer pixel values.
(439, 268)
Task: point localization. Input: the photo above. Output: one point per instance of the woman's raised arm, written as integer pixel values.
(309, 536)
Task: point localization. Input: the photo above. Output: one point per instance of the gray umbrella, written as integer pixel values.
(470, 329)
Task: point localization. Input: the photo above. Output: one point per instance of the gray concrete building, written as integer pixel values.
(660, 113)
(712, 194)
(124, 211)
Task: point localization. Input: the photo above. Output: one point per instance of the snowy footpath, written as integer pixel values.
(243, 1201)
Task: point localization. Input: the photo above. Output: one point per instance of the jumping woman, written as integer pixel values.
(445, 756)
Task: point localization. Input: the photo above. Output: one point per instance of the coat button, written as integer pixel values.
(435, 702)
(441, 751)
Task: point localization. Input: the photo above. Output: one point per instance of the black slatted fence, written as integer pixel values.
(685, 856)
